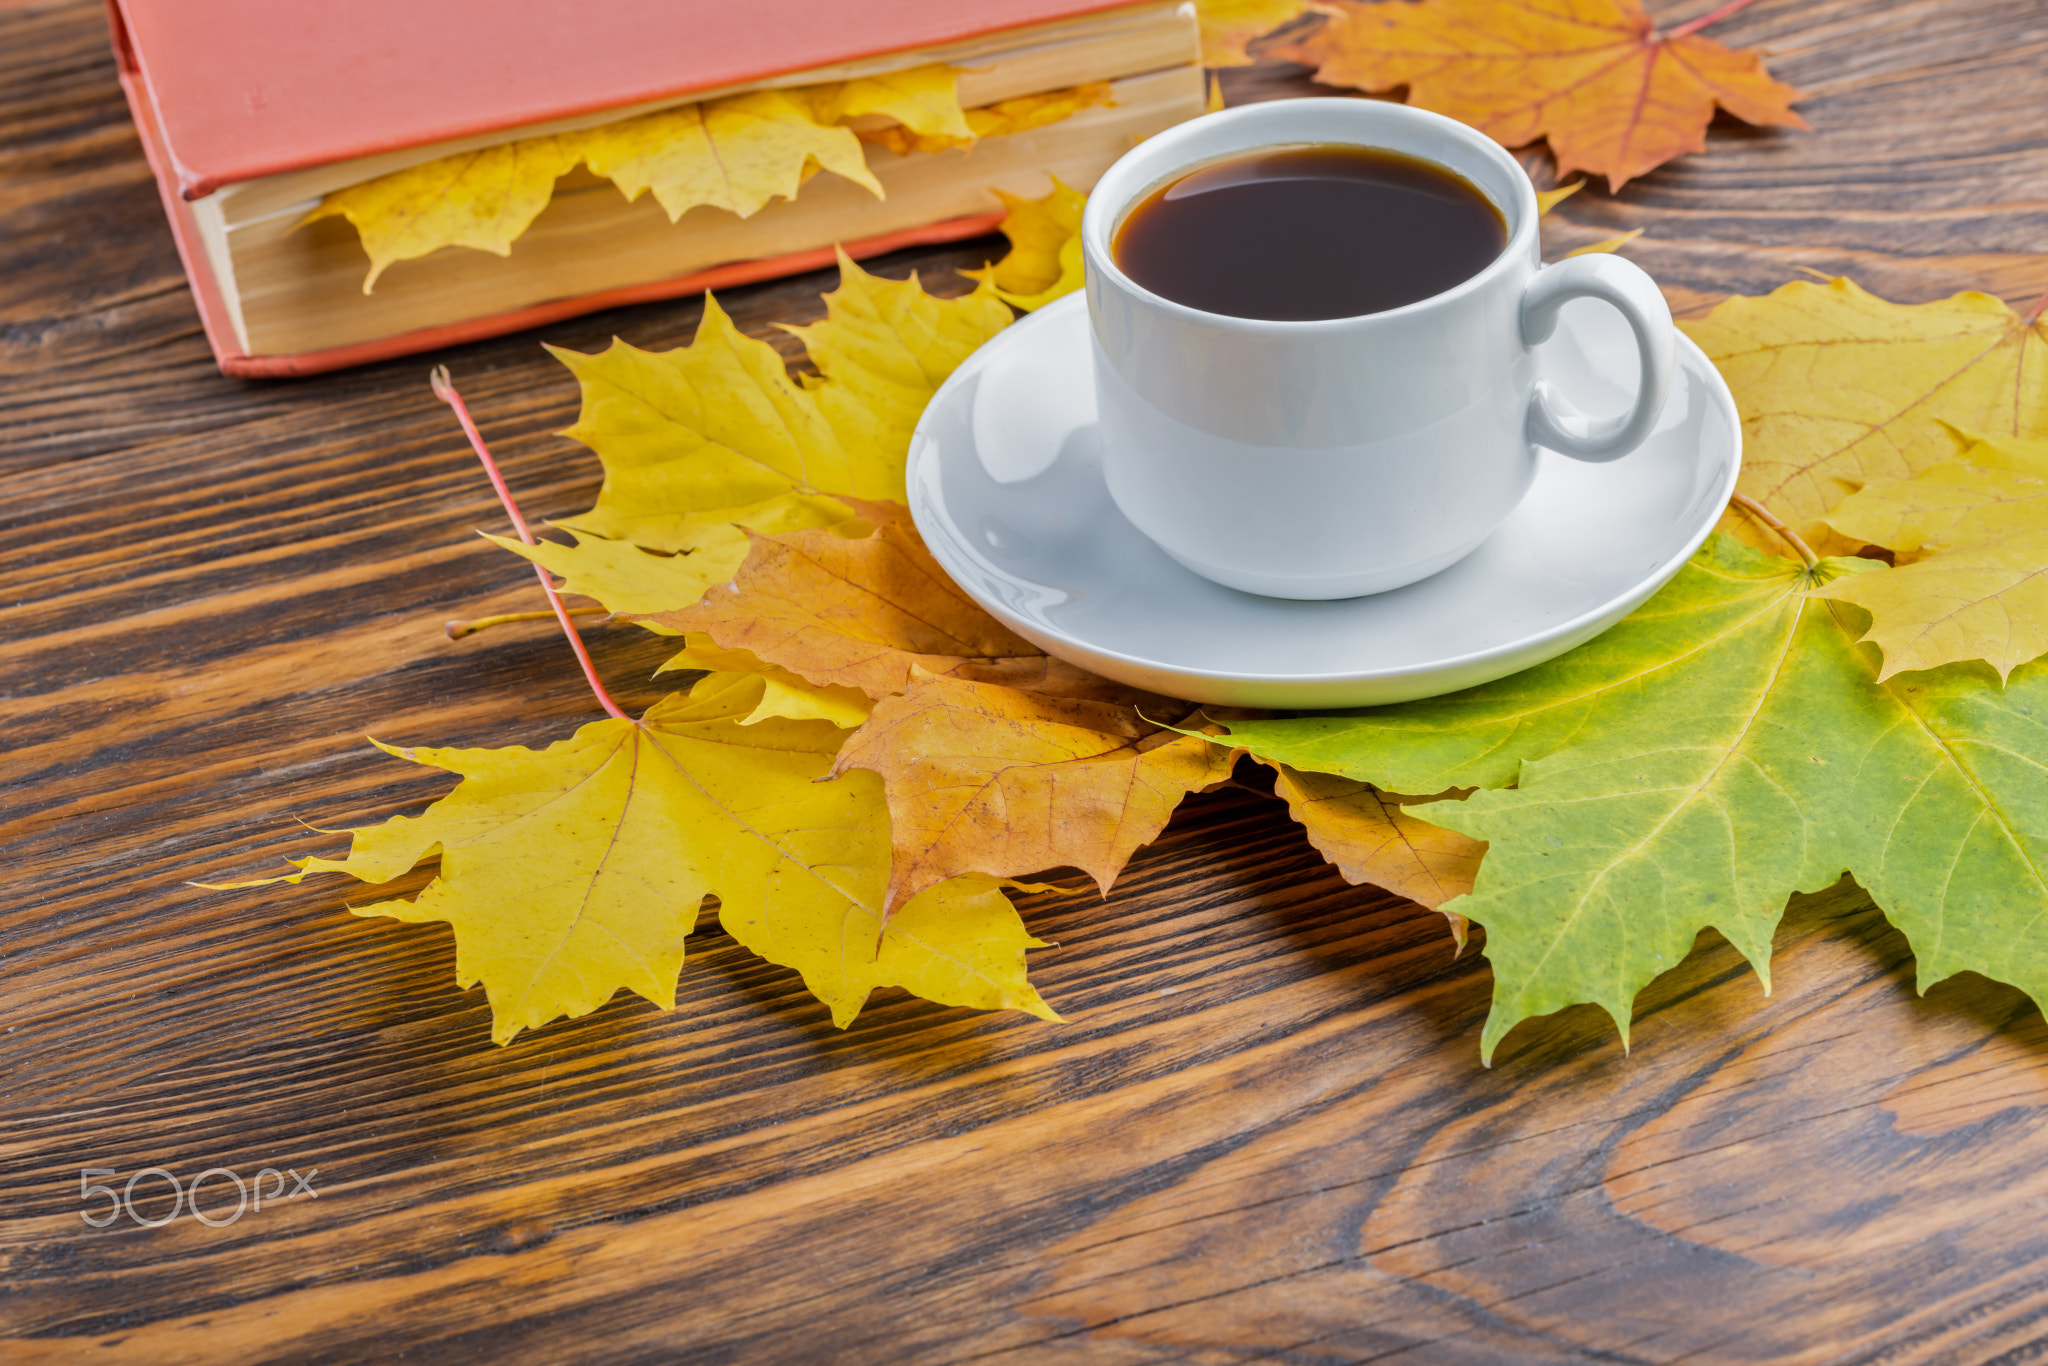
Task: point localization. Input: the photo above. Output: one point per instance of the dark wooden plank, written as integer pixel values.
(1263, 1133)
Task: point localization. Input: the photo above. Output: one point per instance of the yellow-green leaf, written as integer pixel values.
(1726, 745)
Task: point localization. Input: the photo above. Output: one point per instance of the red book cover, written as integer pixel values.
(232, 90)
(248, 88)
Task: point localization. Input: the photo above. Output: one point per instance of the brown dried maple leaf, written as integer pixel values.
(1008, 782)
(992, 754)
(1614, 95)
(859, 612)
(1370, 837)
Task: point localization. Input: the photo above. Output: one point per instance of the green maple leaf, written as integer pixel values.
(1727, 745)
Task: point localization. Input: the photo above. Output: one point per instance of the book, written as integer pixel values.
(253, 111)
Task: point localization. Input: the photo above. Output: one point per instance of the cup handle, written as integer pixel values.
(1553, 420)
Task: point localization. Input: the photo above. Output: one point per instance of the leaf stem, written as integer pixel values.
(444, 389)
(2035, 310)
(1762, 514)
(458, 629)
(1695, 25)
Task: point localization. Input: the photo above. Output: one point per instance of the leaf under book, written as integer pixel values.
(735, 153)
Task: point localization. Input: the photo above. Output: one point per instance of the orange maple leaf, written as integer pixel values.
(1228, 25)
(992, 755)
(983, 776)
(855, 612)
(1614, 95)
(1370, 837)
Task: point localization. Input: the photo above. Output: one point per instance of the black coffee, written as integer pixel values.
(1310, 232)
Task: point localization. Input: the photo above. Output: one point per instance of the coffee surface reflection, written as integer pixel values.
(1304, 233)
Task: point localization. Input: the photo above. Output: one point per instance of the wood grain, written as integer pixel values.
(1264, 1134)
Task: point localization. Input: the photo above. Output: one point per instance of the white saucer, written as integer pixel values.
(1006, 488)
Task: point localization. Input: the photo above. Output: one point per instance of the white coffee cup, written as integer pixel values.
(1336, 458)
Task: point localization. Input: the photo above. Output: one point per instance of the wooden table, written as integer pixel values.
(1263, 1134)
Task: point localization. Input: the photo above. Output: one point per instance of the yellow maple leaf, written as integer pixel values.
(1022, 113)
(1612, 94)
(1838, 387)
(1228, 25)
(699, 438)
(1018, 114)
(705, 440)
(1044, 262)
(1972, 537)
(882, 351)
(784, 693)
(924, 99)
(1370, 837)
(483, 199)
(570, 872)
(735, 153)
(628, 578)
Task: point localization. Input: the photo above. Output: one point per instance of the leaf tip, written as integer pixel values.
(1031, 1003)
(1621, 1026)
(1461, 930)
